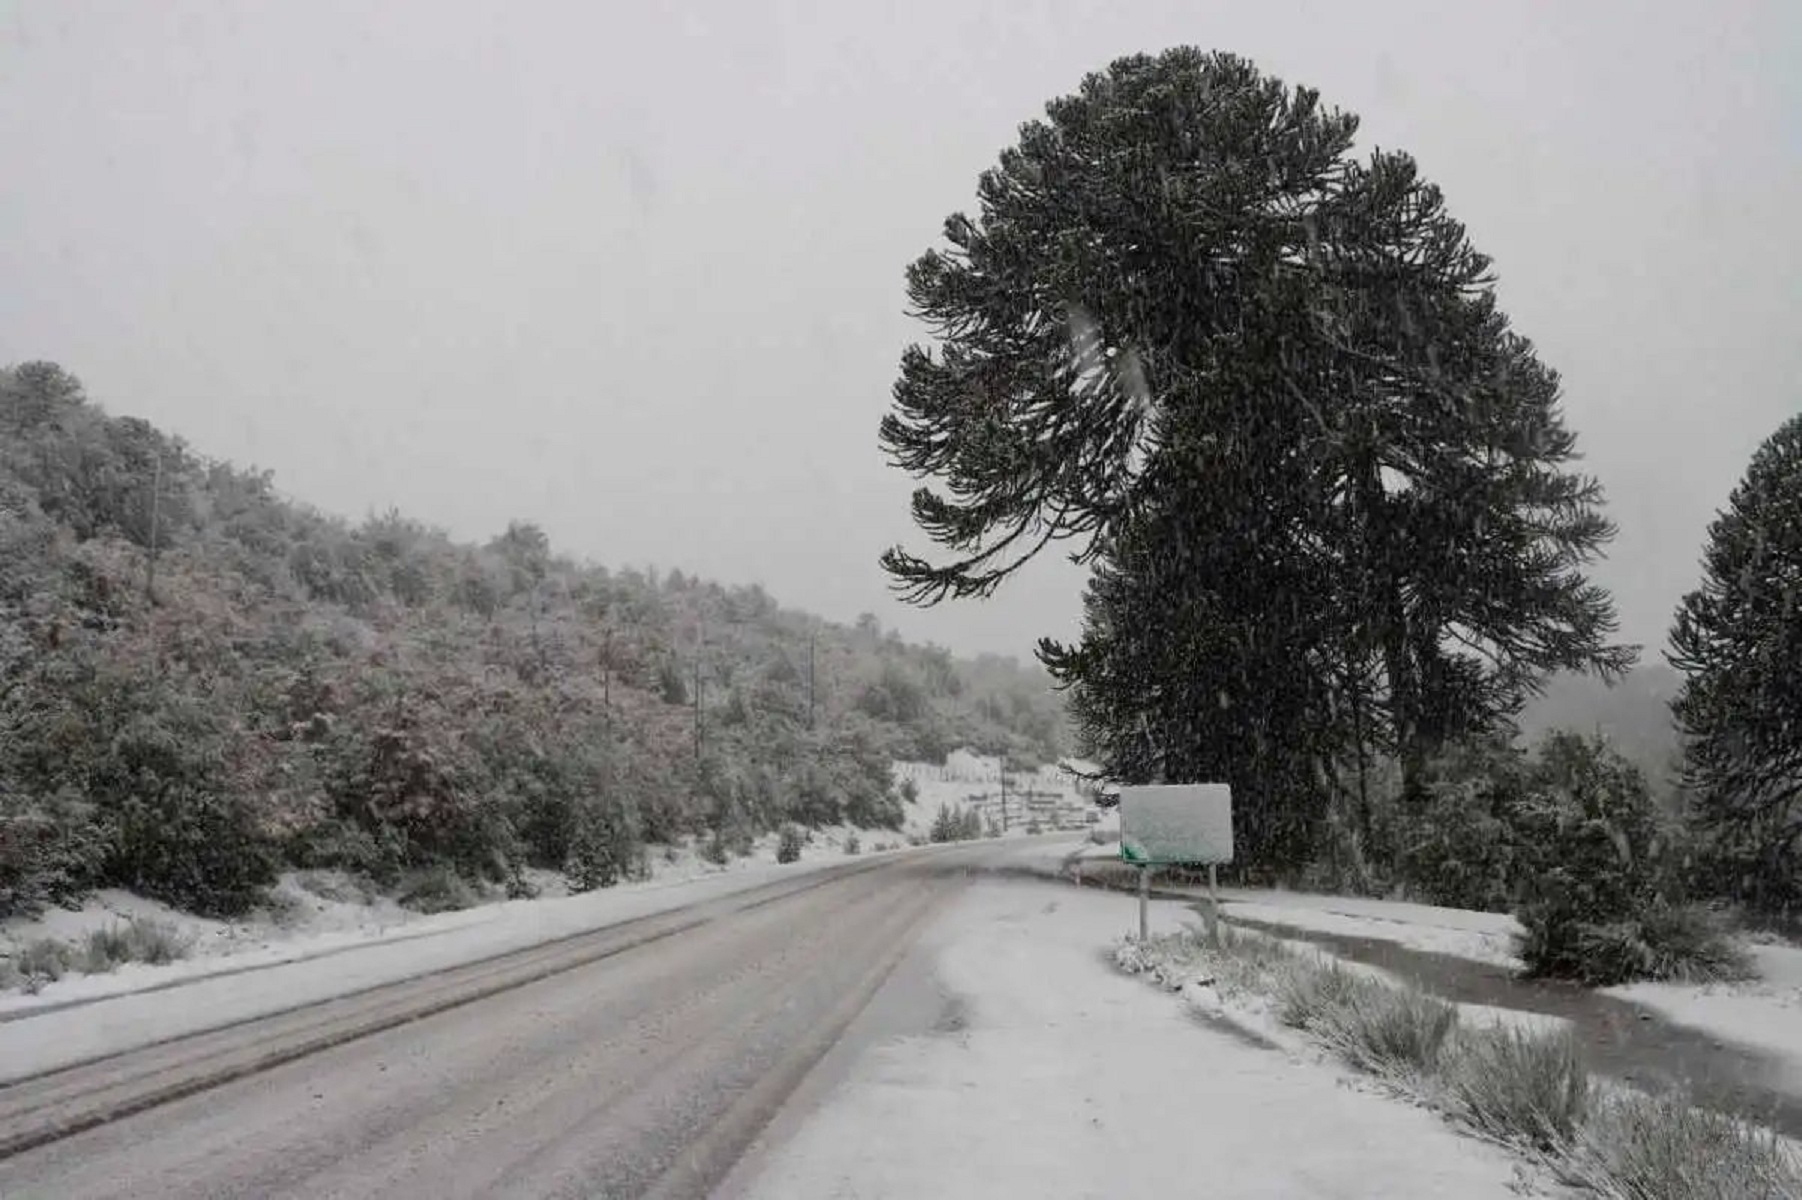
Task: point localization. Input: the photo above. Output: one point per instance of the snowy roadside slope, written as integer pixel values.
(1461, 933)
(1765, 1013)
(1063, 1078)
(969, 780)
(320, 913)
(1482, 937)
(36, 1034)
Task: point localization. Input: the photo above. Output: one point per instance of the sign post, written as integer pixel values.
(1145, 903)
(1213, 906)
(1176, 824)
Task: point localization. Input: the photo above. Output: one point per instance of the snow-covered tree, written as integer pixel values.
(1738, 640)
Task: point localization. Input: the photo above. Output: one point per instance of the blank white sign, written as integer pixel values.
(1176, 823)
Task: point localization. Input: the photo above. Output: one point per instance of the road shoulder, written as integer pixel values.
(1046, 1073)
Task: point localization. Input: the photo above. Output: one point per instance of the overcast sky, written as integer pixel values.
(634, 271)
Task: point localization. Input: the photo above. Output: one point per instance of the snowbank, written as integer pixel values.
(316, 913)
(1461, 933)
(1482, 937)
(1765, 1012)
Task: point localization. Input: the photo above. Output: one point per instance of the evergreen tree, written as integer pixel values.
(671, 683)
(1266, 390)
(1738, 641)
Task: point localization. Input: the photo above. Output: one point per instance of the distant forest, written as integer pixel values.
(202, 682)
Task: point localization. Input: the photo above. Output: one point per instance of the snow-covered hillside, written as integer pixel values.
(1051, 797)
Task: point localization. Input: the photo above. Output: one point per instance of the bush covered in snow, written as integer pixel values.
(1602, 901)
(1463, 848)
(788, 844)
(956, 825)
(1570, 839)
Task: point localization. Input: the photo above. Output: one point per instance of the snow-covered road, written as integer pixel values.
(1046, 1073)
(1000, 1055)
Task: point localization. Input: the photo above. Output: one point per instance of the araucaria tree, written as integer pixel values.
(1738, 640)
(1264, 389)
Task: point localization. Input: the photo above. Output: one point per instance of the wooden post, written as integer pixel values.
(1213, 906)
(1145, 904)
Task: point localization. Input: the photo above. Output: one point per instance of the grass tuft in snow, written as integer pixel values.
(340, 887)
(436, 889)
(38, 963)
(48, 960)
(1642, 1147)
(43, 961)
(1254, 959)
(136, 940)
(1309, 999)
(1384, 1030)
(1518, 1085)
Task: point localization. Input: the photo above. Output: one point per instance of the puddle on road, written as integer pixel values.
(1620, 1039)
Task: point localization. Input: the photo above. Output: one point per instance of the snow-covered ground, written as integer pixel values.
(1764, 1013)
(1478, 936)
(968, 780)
(1062, 1077)
(321, 912)
(142, 1003)
(1460, 933)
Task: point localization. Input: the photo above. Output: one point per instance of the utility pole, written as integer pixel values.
(812, 637)
(1004, 791)
(700, 647)
(538, 642)
(607, 675)
(156, 518)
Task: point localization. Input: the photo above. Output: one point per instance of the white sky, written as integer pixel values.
(635, 272)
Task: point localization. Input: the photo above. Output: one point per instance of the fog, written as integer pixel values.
(637, 274)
